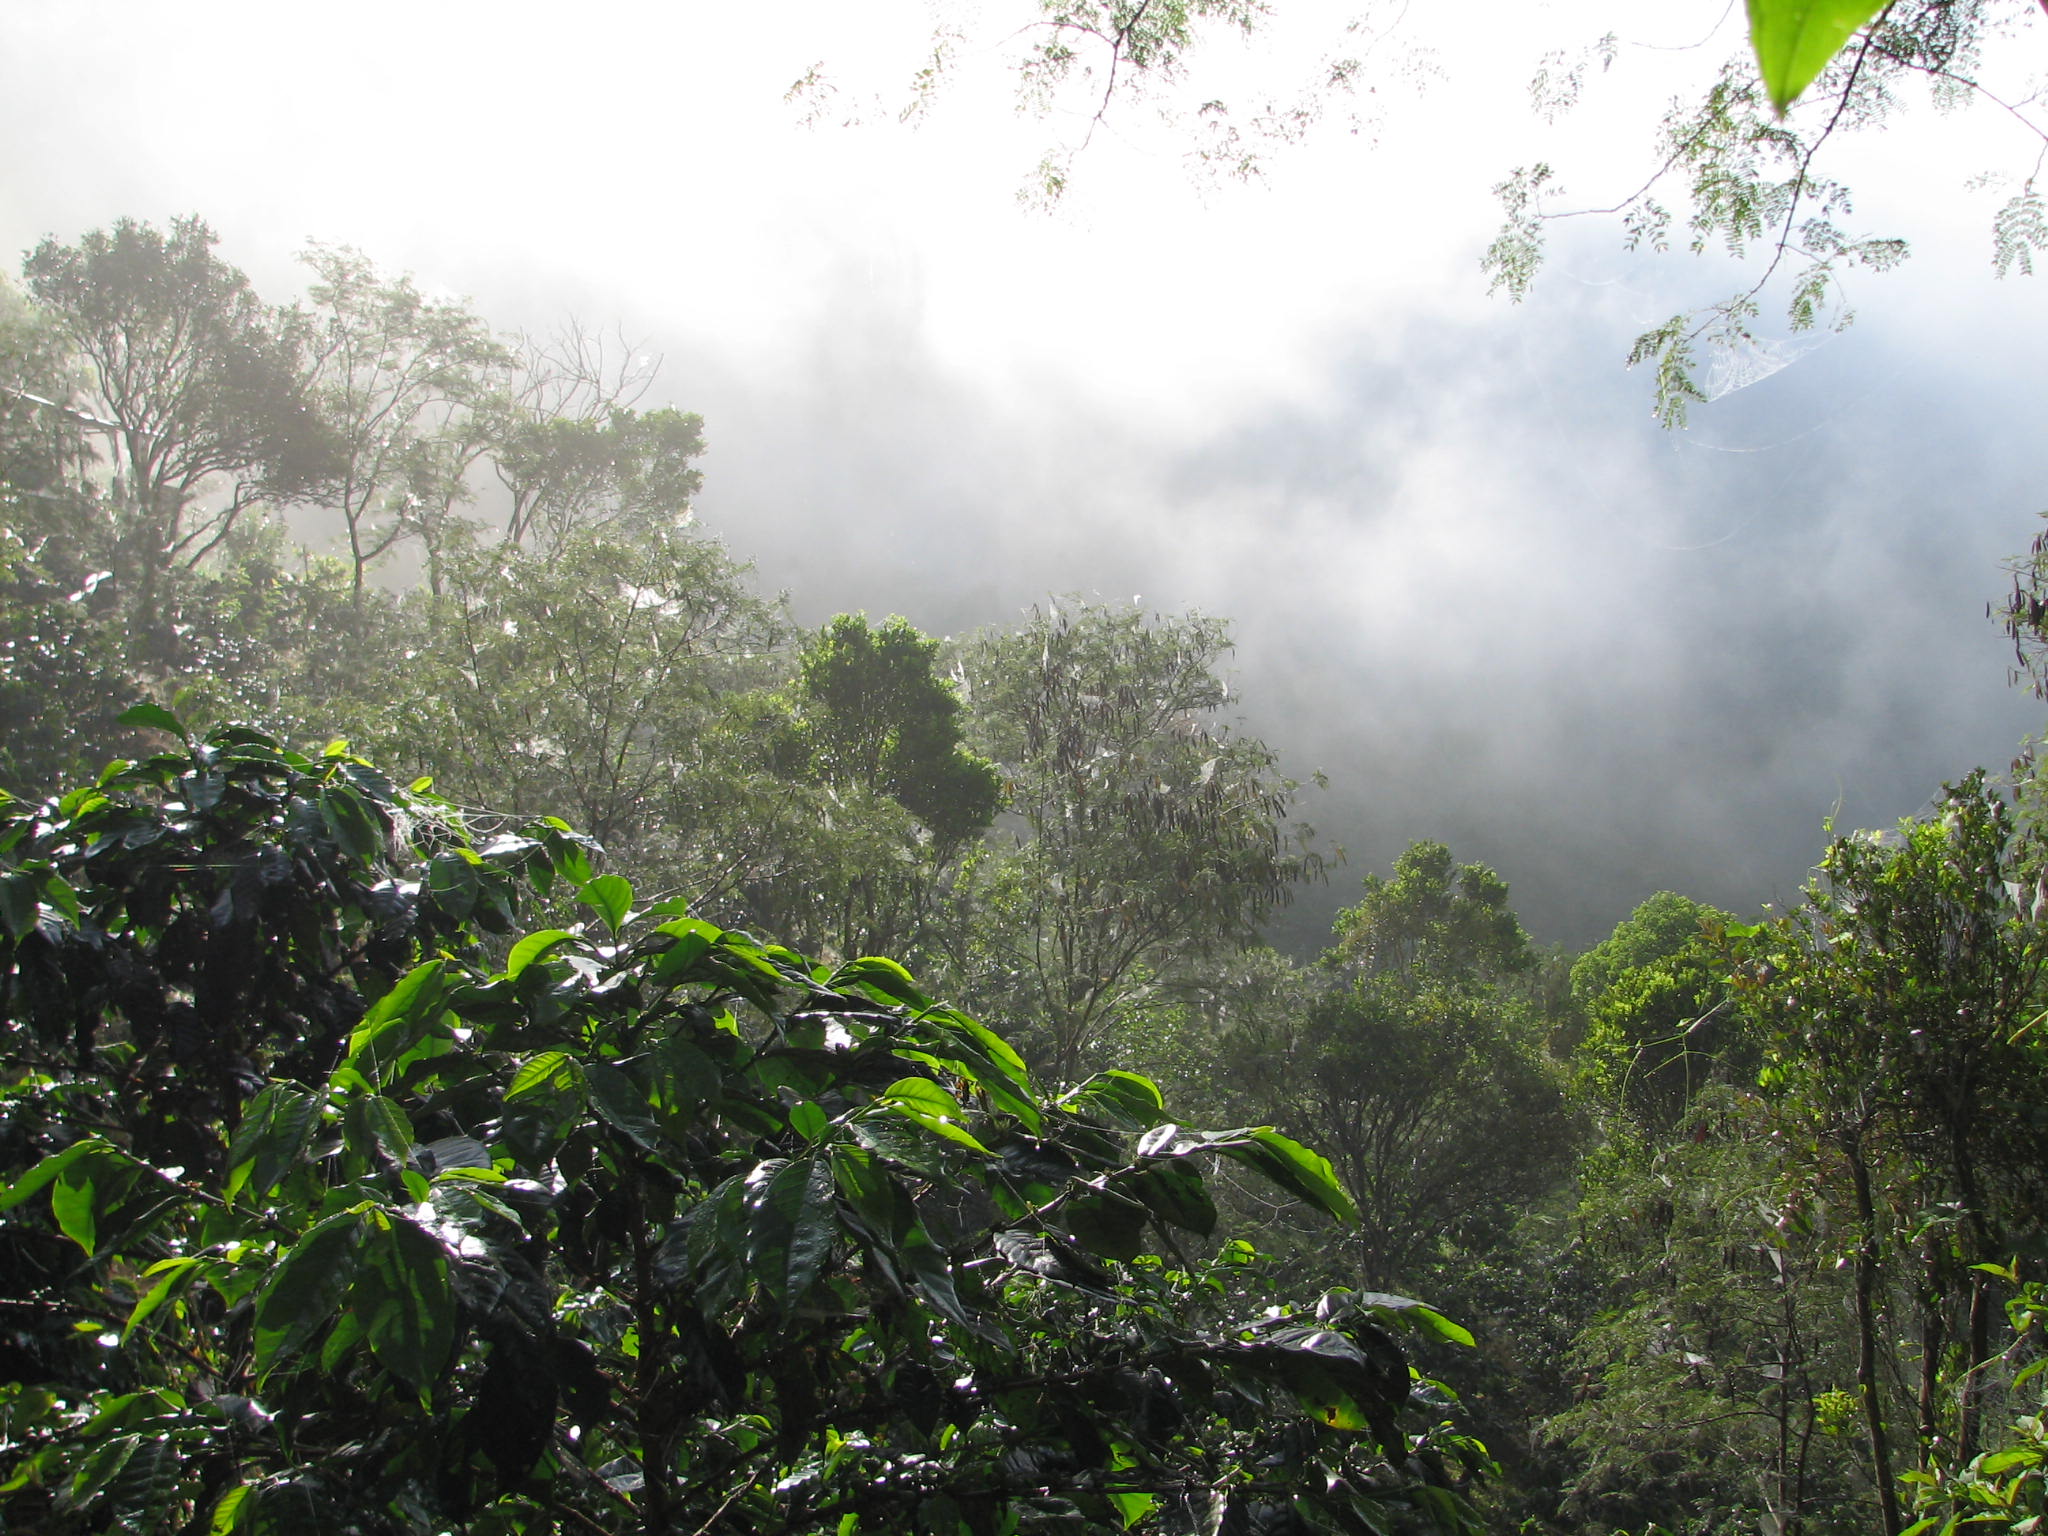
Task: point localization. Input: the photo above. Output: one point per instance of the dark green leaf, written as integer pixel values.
(619, 1101)
(791, 1228)
(403, 1299)
(305, 1288)
(374, 1126)
(271, 1139)
(1176, 1193)
(1106, 1223)
(351, 822)
(19, 900)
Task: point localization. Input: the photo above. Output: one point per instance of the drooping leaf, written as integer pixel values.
(271, 1139)
(403, 1299)
(305, 1288)
(1286, 1162)
(1120, 1099)
(153, 717)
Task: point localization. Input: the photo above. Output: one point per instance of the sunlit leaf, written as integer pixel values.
(1795, 39)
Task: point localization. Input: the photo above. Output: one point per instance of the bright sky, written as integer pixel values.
(1471, 579)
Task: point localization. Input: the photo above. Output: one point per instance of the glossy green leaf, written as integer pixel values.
(612, 896)
(173, 1276)
(1286, 1162)
(1120, 1099)
(535, 947)
(949, 1130)
(276, 1125)
(876, 973)
(693, 941)
(924, 1096)
(233, 1510)
(1407, 1309)
(153, 717)
(45, 1172)
(1795, 39)
(619, 1101)
(76, 1197)
(397, 1020)
(550, 1070)
(304, 1289)
(808, 1120)
(404, 1300)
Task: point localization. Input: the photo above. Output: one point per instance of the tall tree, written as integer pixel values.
(193, 383)
(1416, 1059)
(1150, 833)
(398, 378)
(877, 799)
(573, 450)
(1661, 1016)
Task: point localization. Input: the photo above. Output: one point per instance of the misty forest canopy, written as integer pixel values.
(452, 1079)
(1739, 169)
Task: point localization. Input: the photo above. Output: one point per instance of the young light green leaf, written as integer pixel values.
(44, 1173)
(612, 896)
(1795, 39)
(176, 1275)
(534, 947)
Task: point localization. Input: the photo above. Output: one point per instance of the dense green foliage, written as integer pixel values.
(330, 1211)
(401, 1159)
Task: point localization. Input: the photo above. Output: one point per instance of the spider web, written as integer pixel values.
(1751, 360)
